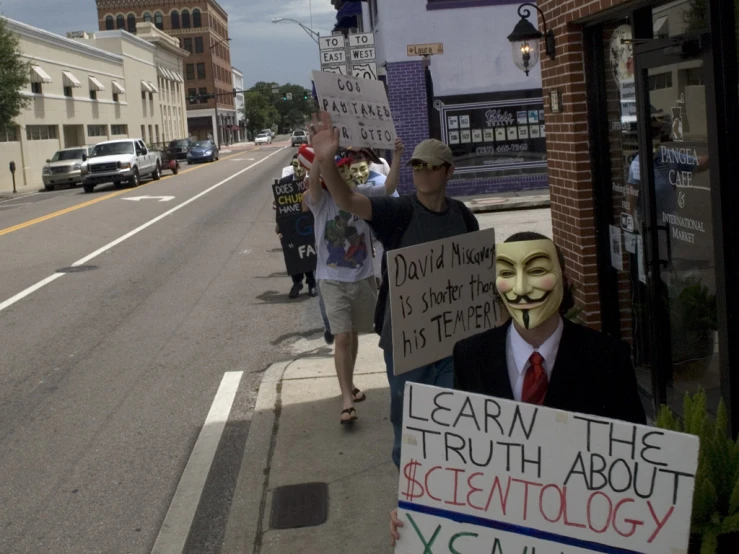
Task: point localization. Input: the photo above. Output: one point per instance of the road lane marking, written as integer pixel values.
(90, 202)
(177, 523)
(139, 198)
(44, 282)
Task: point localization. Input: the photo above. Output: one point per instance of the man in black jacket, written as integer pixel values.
(540, 357)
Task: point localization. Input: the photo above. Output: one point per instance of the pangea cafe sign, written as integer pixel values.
(492, 476)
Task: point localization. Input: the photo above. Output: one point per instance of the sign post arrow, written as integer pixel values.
(160, 198)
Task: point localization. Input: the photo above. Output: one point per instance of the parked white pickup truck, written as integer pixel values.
(119, 161)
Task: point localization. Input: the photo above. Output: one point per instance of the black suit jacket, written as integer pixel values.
(592, 374)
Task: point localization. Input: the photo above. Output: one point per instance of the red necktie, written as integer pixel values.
(536, 381)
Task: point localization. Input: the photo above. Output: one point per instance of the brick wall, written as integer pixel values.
(570, 176)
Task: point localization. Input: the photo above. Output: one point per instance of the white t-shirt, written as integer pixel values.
(342, 239)
(289, 170)
(383, 168)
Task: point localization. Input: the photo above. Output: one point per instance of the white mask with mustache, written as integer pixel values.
(529, 279)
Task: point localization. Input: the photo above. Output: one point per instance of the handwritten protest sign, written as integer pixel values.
(359, 109)
(296, 228)
(441, 292)
(485, 475)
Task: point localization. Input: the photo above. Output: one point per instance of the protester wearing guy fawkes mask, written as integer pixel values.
(539, 356)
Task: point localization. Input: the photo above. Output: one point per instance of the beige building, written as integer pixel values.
(89, 89)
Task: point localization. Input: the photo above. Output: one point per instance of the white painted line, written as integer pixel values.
(9, 302)
(22, 196)
(177, 523)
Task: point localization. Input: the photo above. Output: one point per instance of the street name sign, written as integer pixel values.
(425, 49)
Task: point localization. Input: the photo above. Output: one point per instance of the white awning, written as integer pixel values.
(165, 73)
(38, 75)
(660, 27)
(117, 88)
(178, 77)
(154, 88)
(145, 87)
(95, 84)
(70, 80)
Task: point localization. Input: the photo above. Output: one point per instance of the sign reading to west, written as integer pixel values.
(425, 49)
(483, 475)
(440, 293)
(362, 54)
(359, 109)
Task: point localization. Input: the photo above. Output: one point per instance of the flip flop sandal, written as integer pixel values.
(352, 416)
(356, 392)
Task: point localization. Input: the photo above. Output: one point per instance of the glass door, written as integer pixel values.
(672, 217)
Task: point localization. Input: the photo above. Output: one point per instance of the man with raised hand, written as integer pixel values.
(425, 216)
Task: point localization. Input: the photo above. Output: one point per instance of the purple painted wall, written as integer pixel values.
(406, 83)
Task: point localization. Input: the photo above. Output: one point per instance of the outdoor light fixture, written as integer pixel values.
(525, 40)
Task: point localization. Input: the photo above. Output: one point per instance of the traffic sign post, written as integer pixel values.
(353, 57)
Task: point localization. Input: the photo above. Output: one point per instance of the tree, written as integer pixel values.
(695, 16)
(267, 104)
(14, 73)
(259, 111)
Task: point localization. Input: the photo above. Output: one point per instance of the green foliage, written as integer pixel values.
(716, 495)
(266, 109)
(14, 74)
(695, 16)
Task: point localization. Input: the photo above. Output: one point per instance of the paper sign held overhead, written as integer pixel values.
(481, 475)
(440, 293)
(425, 49)
(359, 109)
(331, 43)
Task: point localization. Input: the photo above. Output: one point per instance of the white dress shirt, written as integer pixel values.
(518, 352)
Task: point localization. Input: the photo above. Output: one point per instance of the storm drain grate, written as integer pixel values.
(296, 506)
(77, 269)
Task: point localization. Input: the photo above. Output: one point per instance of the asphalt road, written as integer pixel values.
(108, 372)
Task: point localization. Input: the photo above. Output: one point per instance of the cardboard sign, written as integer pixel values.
(289, 197)
(359, 109)
(482, 475)
(298, 242)
(440, 293)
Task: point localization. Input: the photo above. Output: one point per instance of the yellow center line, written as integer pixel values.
(96, 200)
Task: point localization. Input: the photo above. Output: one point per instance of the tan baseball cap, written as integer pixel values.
(434, 152)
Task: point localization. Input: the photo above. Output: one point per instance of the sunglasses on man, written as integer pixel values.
(421, 166)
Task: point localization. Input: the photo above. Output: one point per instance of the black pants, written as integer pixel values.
(310, 279)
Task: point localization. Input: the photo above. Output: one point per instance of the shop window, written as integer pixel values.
(175, 17)
(132, 24)
(196, 21)
(41, 132)
(68, 92)
(190, 72)
(109, 23)
(660, 81)
(201, 71)
(120, 22)
(198, 45)
(97, 130)
(117, 130)
(116, 97)
(37, 88)
(93, 94)
(187, 43)
(159, 21)
(9, 134)
(185, 19)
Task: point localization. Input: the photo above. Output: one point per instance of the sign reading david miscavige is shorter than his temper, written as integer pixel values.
(483, 475)
(440, 293)
(359, 109)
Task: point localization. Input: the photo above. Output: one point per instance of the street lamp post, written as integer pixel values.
(313, 34)
(217, 130)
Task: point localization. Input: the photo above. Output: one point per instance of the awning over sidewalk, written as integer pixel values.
(118, 88)
(146, 87)
(38, 75)
(154, 88)
(95, 84)
(70, 80)
(178, 77)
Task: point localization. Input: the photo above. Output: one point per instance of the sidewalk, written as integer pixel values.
(508, 201)
(295, 438)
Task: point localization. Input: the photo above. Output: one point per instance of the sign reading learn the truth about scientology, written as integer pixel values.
(359, 109)
(440, 293)
(483, 475)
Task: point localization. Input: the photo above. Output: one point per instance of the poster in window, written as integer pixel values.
(541, 115)
(533, 116)
(454, 137)
(464, 121)
(489, 135)
(476, 135)
(523, 132)
(466, 136)
(453, 122)
(512, 133)
(500, 134)
(534, 131)
(543, 132)
(523, 118)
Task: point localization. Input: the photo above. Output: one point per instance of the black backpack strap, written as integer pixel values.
(470, 220)
(404, 217)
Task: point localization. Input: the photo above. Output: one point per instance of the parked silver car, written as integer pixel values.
(66, 167)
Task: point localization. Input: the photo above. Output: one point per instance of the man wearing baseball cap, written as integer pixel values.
(425, 216)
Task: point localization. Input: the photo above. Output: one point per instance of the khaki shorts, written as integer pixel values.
(350, 306)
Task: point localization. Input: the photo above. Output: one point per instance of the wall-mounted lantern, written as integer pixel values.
(525, 40)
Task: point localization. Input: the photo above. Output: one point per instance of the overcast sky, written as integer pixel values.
(263, 50)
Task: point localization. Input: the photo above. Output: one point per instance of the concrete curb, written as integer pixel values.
(511, 204)
(10, 195)
(244, 520)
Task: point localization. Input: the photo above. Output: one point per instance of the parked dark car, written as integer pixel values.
(202, 151)
(178, 149)
(299, 137)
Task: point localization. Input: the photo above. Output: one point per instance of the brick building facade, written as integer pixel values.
(202, 29)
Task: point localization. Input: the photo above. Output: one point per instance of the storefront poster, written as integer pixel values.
(491, 476)
(617, 252)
